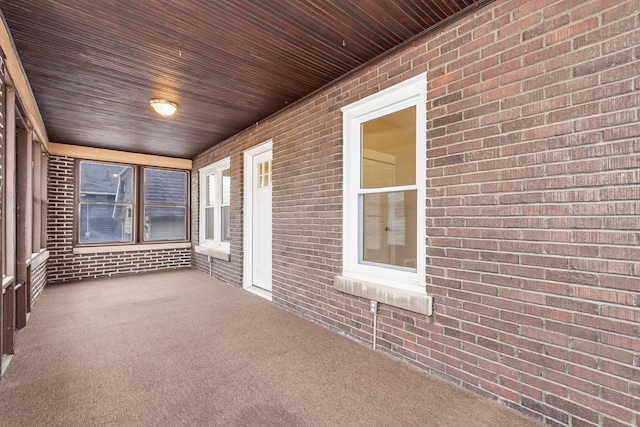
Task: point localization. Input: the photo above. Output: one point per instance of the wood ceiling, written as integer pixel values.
(94, 65)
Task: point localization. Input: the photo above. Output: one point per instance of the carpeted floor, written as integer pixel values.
(181, 349)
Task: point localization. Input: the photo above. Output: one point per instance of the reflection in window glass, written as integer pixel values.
(389, 228)
(165, 223)
(165, 205)
(388, 155)
(106, 194)
(210, 182)
(164, 187)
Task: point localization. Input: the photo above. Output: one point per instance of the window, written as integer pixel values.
(39, 203)
(384, 187)
(215, 197)
(108, 208)
(165, 205)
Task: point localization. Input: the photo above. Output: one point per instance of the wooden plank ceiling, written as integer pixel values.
(94, 65)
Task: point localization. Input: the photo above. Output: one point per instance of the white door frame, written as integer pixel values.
(249, 179)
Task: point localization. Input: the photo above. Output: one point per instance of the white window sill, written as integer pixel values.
(129, 248)
(218, 253)
(408, 300)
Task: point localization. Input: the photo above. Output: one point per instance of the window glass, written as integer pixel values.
(389, 228)
(164, 223)
(211, 189)
(388, 155)
(209, 206)
(165, 214)
(106, 194)
(225, 228)
(164, 186)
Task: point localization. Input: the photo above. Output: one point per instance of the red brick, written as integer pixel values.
(622, 11)
(623, 283)
(600, 64)
(631, 314)
(598, 349)
(604, 407)
(543, 359)
(518, 25)
(605, 324)
(573, 408)
(573, 305)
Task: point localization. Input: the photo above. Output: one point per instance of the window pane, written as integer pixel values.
(389, 229)
(105, 223)
(210, 190)
(165, 223)
(106, 194)
(165, 186)
(209, 217)
(226, 229)
(101, 182)
(226, 186)
(388, 156)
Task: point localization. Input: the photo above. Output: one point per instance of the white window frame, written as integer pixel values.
(214, 169)
(410, 93)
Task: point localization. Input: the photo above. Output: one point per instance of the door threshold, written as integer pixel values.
(260, 292)
(6, 360)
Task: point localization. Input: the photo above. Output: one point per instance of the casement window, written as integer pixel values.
(215, 198)
(123, 204)
(384, 189)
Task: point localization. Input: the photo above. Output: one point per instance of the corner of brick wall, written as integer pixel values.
(64, 265)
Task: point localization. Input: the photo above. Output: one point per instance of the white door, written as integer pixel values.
(261, 226)
(257, 220)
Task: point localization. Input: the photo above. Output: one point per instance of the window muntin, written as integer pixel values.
(384, 186)
(109, 211)
(165, 205)
(215, 197)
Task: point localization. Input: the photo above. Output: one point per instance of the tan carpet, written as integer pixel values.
(179, 348)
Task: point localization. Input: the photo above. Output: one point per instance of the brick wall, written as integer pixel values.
(64, 265)
(38, 281)
(533, 192)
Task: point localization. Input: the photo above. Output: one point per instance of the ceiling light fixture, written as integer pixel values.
(163, 107)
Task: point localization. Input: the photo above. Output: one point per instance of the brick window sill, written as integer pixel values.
(129, 248)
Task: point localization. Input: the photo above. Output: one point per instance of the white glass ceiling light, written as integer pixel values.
(163, 107)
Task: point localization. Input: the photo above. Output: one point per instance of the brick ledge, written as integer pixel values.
(130, 248)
